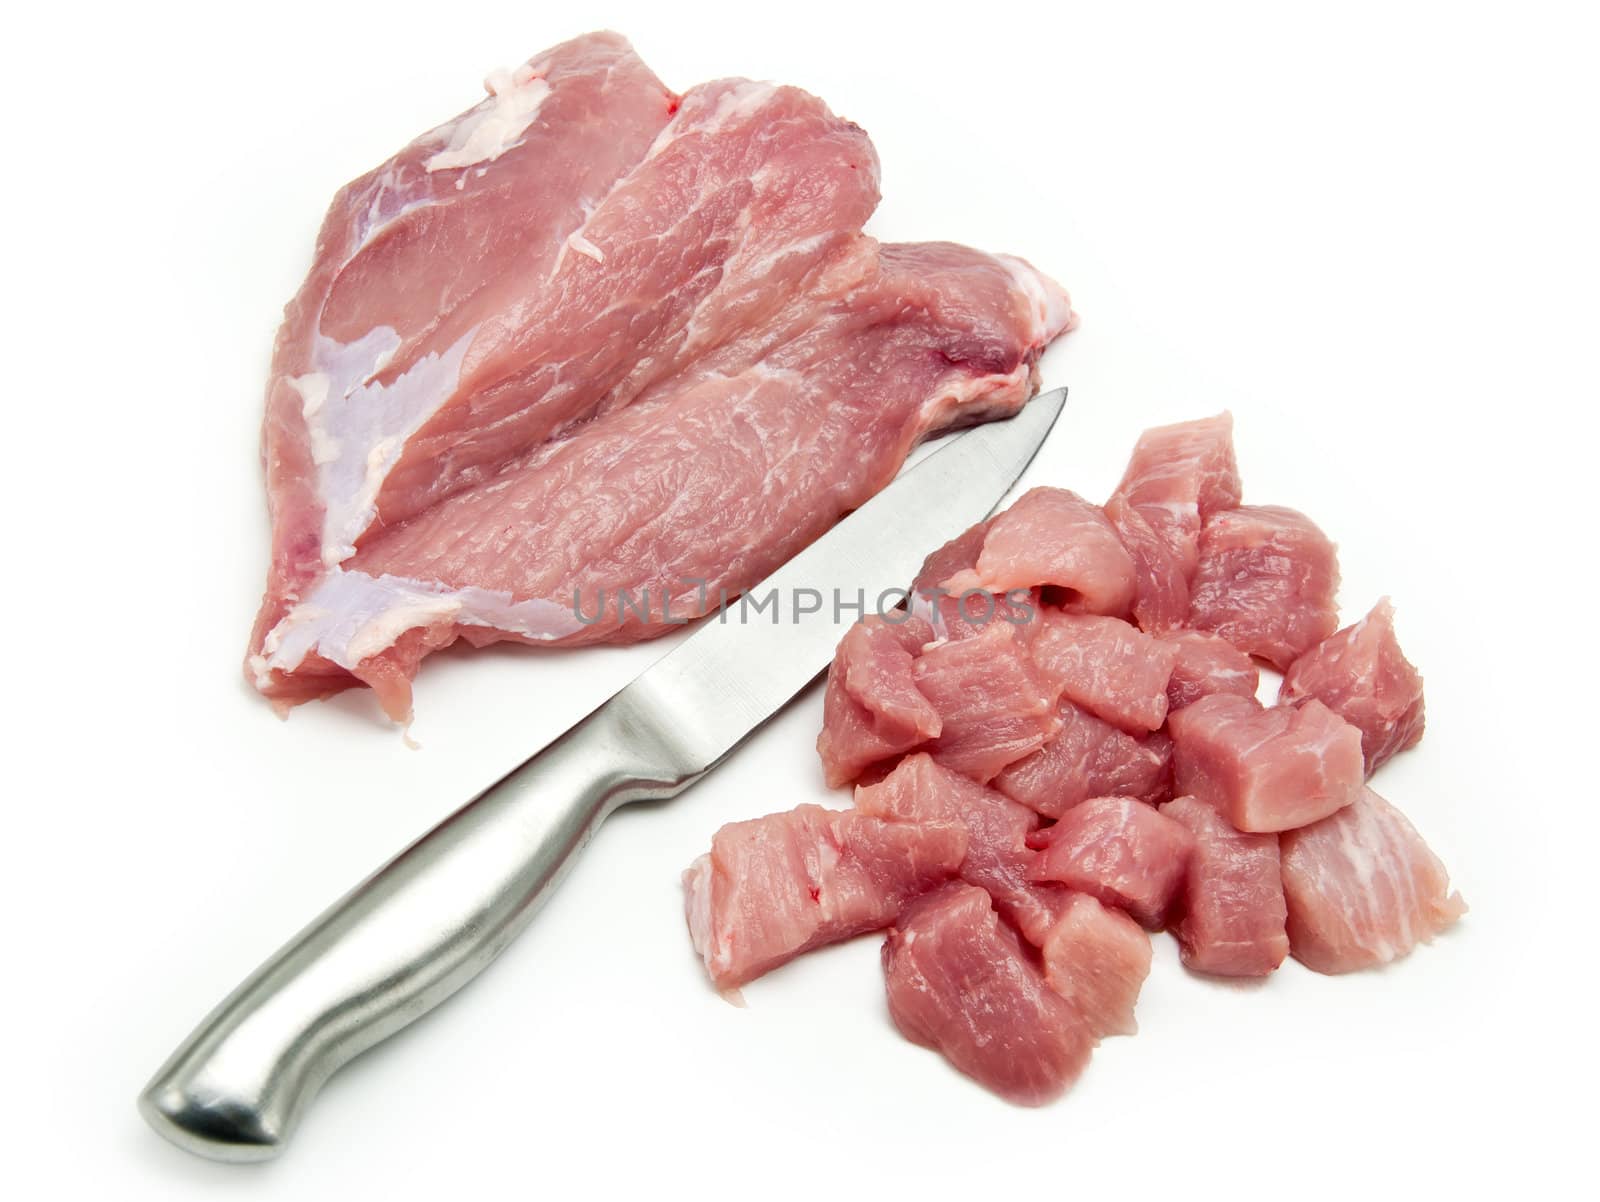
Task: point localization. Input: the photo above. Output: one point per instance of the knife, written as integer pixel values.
(437, 914)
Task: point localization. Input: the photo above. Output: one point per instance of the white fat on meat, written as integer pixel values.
(351, 616)
(495, 125)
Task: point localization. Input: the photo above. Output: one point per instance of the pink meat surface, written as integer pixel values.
(546, 349)
(1120, 851)
(1266, 582)
(1097, 958)
(1178, 476)
(1053, 537)
(992, 703)
(956, 616)
(1160, 574)
(1363, 888)
(1361, 674)
(774, 887)
(922, 790)
(1110, 668)
(1230, 916)
(872, 708)
(1089, 757)
(1266, 769)
(1207, 664)
(961, 982)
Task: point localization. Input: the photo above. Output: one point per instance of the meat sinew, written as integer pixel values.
(1231, 915)
(961, 982)
(544, 349)
(1120, 851)
(773, 887)
(1266, 769)
(1265, 581)
(1363, 888)
(1361, 674)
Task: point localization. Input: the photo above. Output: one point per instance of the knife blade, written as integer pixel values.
(437, 914)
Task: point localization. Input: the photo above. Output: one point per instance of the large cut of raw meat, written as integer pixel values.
(548, 349)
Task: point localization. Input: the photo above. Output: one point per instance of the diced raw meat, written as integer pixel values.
(581, 246)
(958, 617)
(961, 982)
(1178, 476)
(1118, 850)
(1207, 664)
(1089, 757)
(1054, 537)
(1266, 582)
(1110, 668)
(1161, 576)
(872, 708)
(1230, 915)
(993, 705)
(1266, 769)
(1363, 888)
(1097, 958)
(1361, 674)
(922, 790)
(774, 887)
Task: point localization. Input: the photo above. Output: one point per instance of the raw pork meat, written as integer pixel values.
(774, 887)
(1266, 769)
(1097, 958)
(993, 705)
(1265, 582)
(1206, 664)
(1120, 851)
(872, 708)
(1363, 888)
(961, 982)
(544, 350)
(1087, 758)
(922, 790)
(1160, 575)
(1361, 674)
(957, 617)
(1112, 669)
(1054, 538)
(1180, 475)
(1230, 914)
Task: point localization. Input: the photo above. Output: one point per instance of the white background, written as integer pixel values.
(1368, 229)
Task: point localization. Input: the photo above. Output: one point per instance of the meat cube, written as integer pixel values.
(1363, 888)
(1230, 917)
(961, 982)
(1054, 537)
(872, 708)
(1120, 851)
(1160, 574)
(1266, 769)
(1361, 674)
(1206, 664)
(922, 790)
(1178, 476)
(1089, 757)
(1097, 958)
(1108, 667)
(773, 887)
(1266, 581)
(993, 706)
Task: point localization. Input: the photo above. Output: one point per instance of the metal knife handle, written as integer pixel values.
(401, 942)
